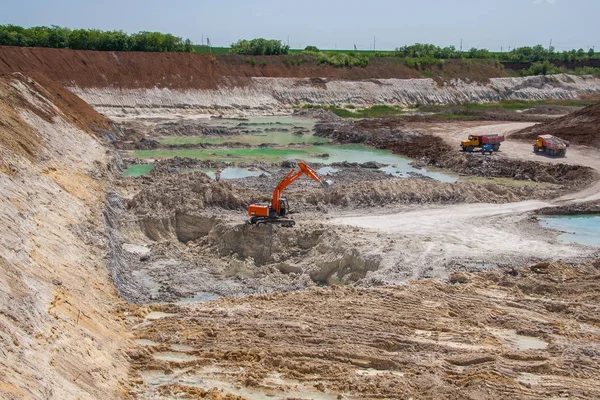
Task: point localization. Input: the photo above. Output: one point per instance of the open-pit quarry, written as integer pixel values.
(128, 268)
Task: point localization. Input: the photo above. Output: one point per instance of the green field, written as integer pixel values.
(215, 50)
(376, 111)
(225, 155)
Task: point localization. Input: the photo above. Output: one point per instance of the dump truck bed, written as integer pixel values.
(552, 142)
(491, 139)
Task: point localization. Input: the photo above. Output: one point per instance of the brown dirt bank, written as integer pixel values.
(579, 127)
(591, 207)
(59, 335)
(16, 134)
(524, 333)
(202, 71)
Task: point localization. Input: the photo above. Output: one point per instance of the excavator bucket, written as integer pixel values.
(327, 184)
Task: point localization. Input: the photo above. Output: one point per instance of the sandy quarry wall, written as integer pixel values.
(272, 95)
(130, 83)
(59, 334)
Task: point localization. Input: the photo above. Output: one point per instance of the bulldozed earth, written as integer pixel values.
(133, 271)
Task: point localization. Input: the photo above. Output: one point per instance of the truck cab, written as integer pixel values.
(469, 144)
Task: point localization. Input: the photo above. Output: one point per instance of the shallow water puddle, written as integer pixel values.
(154, 315)
(280, 131)
(352, 153)
(518, 342)
(137, 170)
(327, 171)
(530, 343)
(146, 342)
(173, 356)
(582, 229)
(234, 173)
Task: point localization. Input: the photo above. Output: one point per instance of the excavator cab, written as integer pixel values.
(284, 206)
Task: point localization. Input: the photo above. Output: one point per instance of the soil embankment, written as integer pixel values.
(581, 127)
(136, 70)
(57, 301)
(120, 84)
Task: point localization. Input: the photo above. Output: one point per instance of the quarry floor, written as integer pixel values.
(363, 298)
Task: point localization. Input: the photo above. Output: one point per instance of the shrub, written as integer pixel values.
(542, 68)
(259, 47)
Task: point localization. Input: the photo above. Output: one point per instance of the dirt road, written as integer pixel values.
(523, 150)
(435, 241)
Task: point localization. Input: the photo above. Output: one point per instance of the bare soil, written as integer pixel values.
(580, 127)
(202, 71)
(525, 333)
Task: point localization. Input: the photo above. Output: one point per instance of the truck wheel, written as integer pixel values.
(496, 147)
(536, 149)
(469, 149)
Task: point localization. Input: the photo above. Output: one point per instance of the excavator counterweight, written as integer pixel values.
(275, 212)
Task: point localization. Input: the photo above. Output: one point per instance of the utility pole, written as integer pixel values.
(461, 45)
(373, 43)
(288, 40)
(355, 48)
(550, 47)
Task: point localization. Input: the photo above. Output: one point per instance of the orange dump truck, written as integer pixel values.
(551, 145)
(475, 141)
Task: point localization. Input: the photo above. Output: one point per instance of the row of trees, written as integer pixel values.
(91, 39)
(259, 47)
(533, 54)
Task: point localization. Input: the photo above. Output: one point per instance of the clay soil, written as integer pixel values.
(203, 71)
(581, 127)
(524, 333)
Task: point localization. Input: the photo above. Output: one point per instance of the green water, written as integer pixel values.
(138, 170)
(227, 155)
(278, 131)
(582, 229)
(310, 154)
(255, 139)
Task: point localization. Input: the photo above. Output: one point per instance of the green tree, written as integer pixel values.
(259, 47)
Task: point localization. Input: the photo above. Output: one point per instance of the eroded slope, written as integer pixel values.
(59, 336)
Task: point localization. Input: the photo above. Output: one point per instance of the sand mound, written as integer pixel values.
(580, 127)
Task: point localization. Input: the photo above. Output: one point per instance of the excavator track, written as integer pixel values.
(285, 222)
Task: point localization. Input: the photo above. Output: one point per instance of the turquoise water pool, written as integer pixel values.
(582, 229)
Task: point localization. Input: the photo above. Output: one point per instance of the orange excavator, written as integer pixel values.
(276, 211)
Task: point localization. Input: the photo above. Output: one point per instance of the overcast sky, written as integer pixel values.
(330, 24)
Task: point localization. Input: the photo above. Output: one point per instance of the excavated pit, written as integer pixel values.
(179, 256)
(183, 235)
